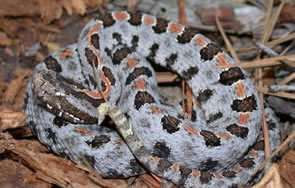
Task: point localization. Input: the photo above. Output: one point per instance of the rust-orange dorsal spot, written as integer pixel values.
(140, 84)
(83, 131)
(200, 41)
(243, 118)
(121, 15)
(176, 166)
(238, 169)
(218, 175)
(156, 110)
(221, 60)
(132, 62)
(191, 130)
(175, 28)
(252, 154)
(157, 159)
(149, 20)
(224, 135)
(196, 173)
(66, 53)
(240, 89)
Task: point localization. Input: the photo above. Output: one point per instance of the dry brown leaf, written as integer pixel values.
(50, 168)
(5, 40)
(6, 142)
(79, 6)
(14, 174)
(9, 119)
(50, 10)
(288, 13)
(19, 8)
(15, 85)
(57, 170)
(267, 62)
(149, 180)
(96, 3)
(271, 178)
(287, 167)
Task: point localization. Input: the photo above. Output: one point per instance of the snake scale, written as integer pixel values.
(220, 145)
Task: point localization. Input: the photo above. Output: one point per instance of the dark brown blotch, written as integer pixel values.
(247, 104)
(107, 19)
(208, 165)
(189, 73)
(98, 141)
(185, 172)
(90, 81)
(141, 98)
(229, 174)
(208, 52)
(259, 145)
(94, 39)
(205, 177)
(121, 54)
(171, 60)
(170, 124)
(108, 73)
(205, 95)
(247, 163)
(138, 72)
(91, 57)
(153, 52)
(52, 64)
(117, 37)
(135, 18)
(161, 150)
(231, 76)
(238, 131)
(214, 117)
(187, 35)
(134, 42)
(161, 26)
(211, 140)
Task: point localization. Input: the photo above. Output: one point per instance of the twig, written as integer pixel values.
(278, 94)
(267, 62)
(265, 49)
(97, 81)
(272, 53)
(271, 43)
(288, 79)
(278, 88)
(227, 42)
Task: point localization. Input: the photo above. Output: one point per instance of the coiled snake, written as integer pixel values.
(220, 146)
